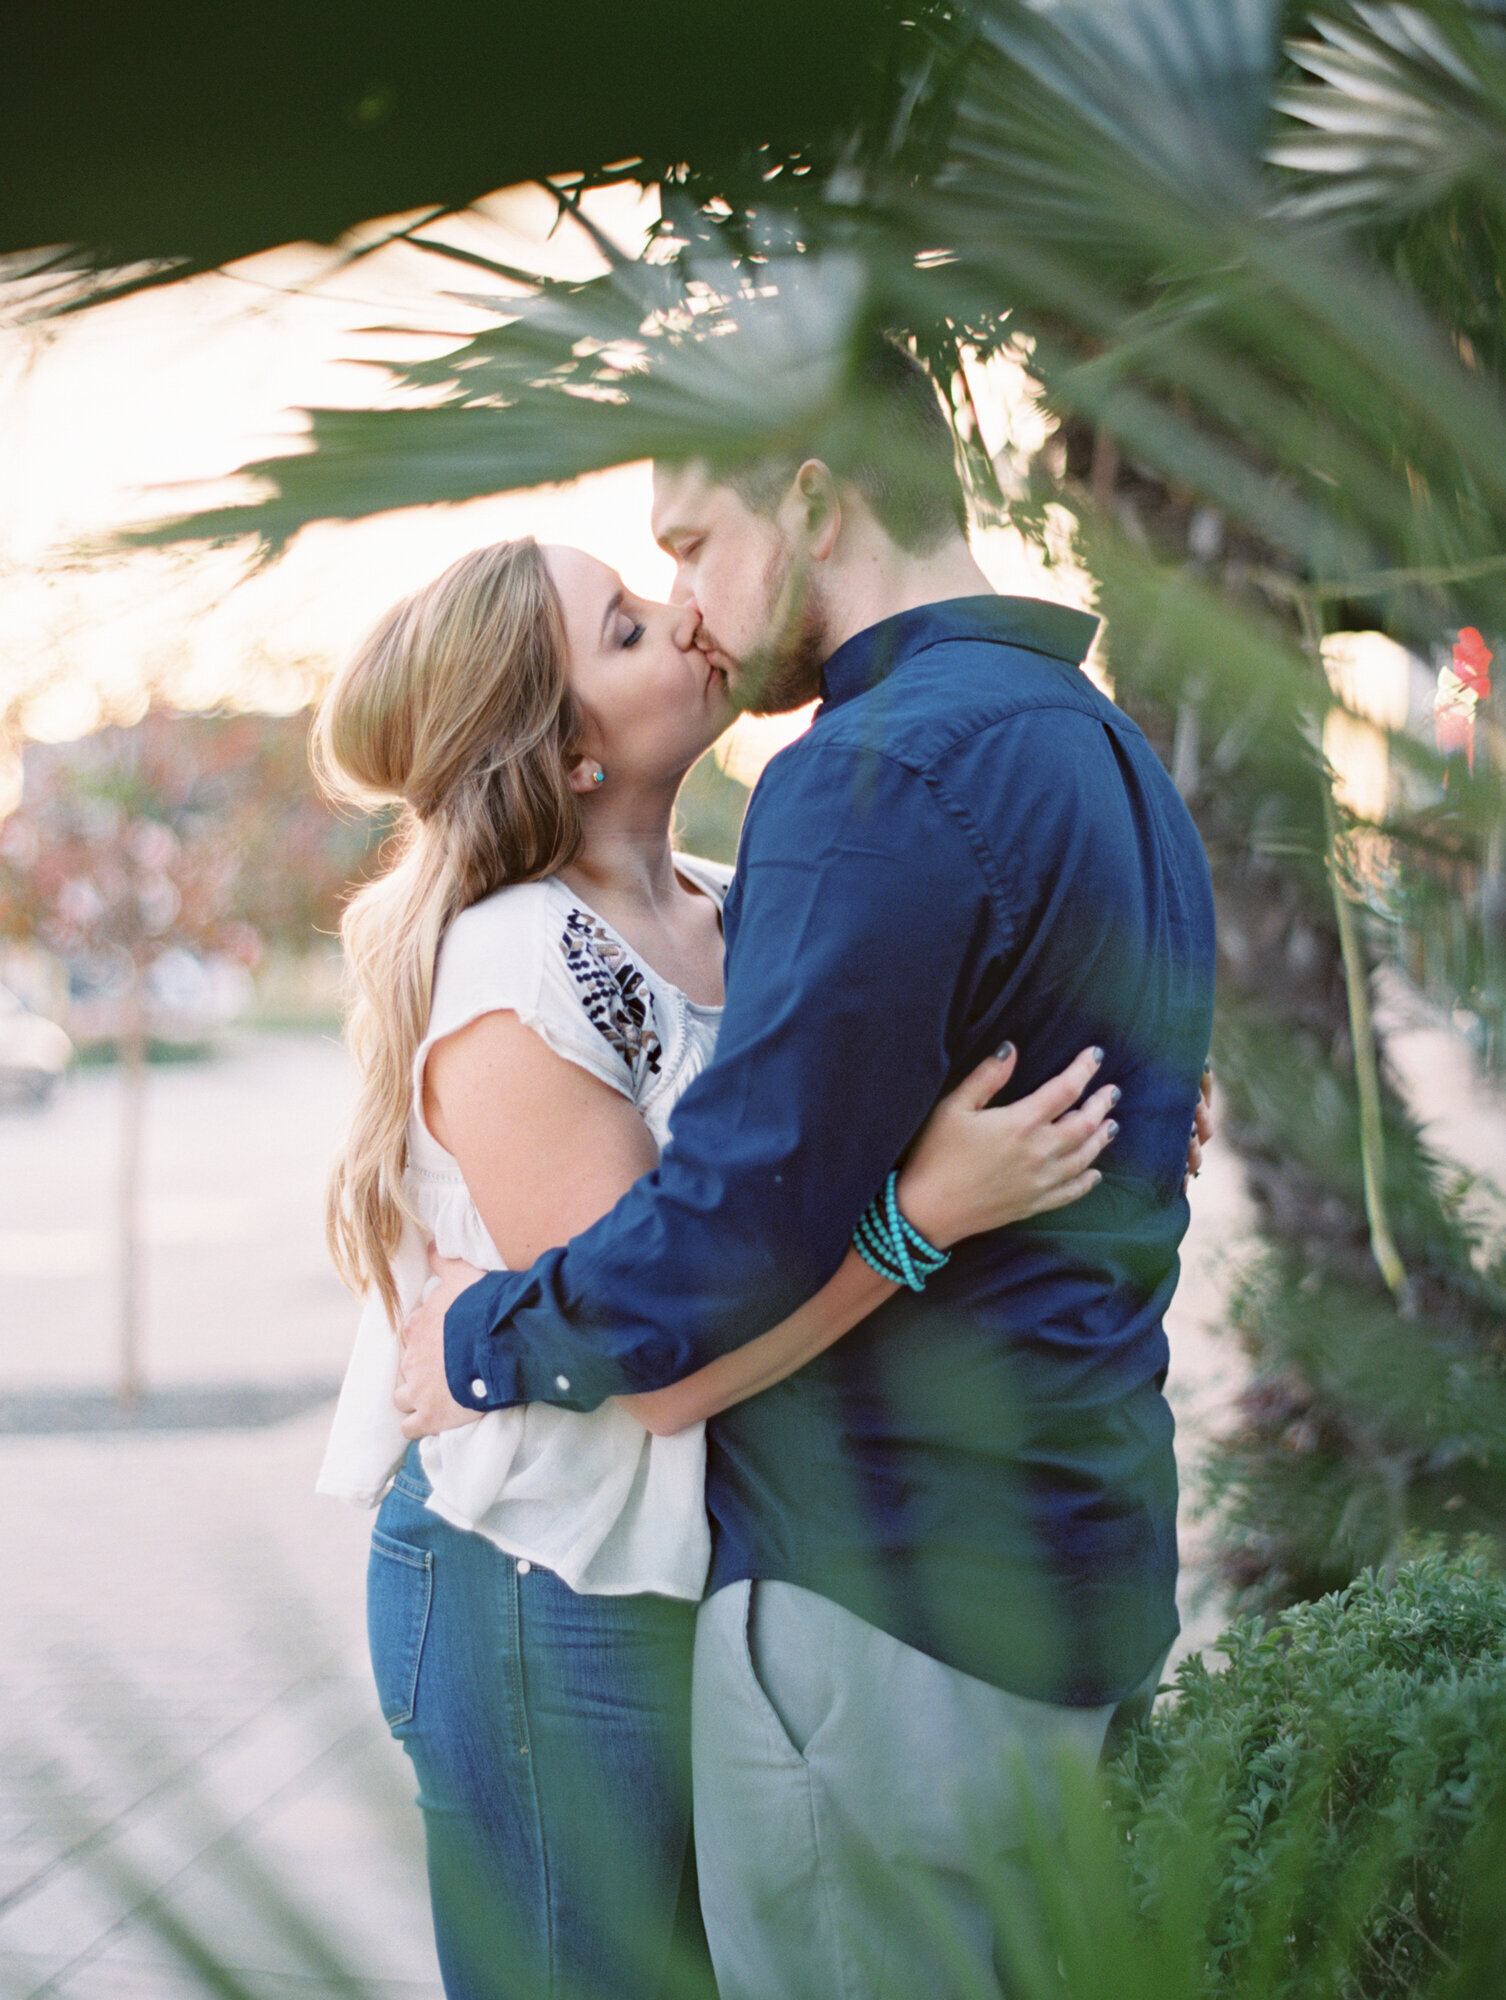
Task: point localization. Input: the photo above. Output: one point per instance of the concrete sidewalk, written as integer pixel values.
(237, 1284)
(190, 1729)
(191, 1739)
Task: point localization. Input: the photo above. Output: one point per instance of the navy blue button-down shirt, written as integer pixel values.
(970, 844)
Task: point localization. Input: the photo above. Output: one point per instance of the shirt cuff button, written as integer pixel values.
(478, 1388)
(562, 1383)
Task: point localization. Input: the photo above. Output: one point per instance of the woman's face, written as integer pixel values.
(650, 703)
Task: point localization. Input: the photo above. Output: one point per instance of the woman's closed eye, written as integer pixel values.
(633, 630)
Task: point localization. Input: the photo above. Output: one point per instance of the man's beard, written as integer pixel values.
(784, 672)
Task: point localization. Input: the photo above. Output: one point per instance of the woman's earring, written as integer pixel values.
(598, 776)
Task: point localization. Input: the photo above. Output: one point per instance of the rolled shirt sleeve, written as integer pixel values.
(859, 906)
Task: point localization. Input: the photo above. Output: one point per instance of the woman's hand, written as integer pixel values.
(422, 1394)
(974, 1169)
(1202, 1129)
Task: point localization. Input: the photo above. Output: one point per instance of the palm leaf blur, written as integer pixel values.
(1253, 259)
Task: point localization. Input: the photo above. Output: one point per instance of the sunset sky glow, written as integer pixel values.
(145, 407)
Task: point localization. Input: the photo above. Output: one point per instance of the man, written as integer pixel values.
(945, 1551)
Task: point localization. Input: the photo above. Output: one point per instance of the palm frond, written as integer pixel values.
(1098, 194)
(1405, 105)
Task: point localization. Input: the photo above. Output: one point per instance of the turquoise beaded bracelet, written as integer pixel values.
(892, 1247)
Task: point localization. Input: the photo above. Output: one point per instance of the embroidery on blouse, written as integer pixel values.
(613, 991)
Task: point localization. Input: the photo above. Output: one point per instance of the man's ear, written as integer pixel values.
(820, 505)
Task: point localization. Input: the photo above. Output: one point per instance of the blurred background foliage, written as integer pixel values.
(1252, 254)
(202, 833)
(159, 863)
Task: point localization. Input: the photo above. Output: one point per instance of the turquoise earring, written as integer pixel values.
(598, 776)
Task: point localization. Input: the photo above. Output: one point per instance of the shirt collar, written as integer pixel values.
(872, 655)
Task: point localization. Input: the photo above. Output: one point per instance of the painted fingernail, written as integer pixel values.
(1115, 1094)
(1003, 1052)
(1097, 1056)
(1112, 1127)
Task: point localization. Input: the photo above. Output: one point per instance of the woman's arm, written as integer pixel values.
(546, 1148)
(842, 1301)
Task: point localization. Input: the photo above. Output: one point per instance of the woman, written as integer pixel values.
(536, 979)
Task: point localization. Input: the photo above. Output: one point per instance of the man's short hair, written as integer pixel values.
(889, 436)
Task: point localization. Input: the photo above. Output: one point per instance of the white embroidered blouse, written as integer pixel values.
(596, 1498)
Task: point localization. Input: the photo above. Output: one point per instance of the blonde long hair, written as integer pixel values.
(457, 710)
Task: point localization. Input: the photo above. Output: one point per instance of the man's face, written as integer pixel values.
(762, 618)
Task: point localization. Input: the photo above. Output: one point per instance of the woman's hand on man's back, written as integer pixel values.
(977, 1166)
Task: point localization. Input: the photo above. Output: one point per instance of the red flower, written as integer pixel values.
(1472, 658)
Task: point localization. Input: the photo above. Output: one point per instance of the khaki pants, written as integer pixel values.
(858, 1806)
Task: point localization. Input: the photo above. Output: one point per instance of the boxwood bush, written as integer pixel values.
(1329, 1804)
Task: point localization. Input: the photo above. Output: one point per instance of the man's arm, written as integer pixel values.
(859, 913)
(976, 1166)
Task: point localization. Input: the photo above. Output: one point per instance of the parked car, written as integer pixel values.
(34, 1052)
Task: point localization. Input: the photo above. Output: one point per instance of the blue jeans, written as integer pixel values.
(550, 1734)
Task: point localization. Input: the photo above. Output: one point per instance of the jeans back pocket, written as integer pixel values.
(399, 1590)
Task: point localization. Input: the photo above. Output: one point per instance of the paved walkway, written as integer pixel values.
(237, 1284)
(191, 1762)
(191, 1745)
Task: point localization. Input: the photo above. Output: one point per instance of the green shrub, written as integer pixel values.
(1334, 1787)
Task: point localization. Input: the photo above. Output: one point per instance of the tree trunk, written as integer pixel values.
(133, 1049)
